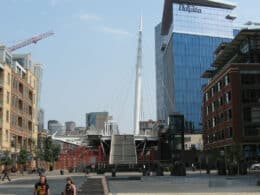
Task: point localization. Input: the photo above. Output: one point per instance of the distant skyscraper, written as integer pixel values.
(55, 126)
(111, 127)
(50, 122)
(185, 42)
(41, 120)
(96, 120)
(38, 69)
(70, 126)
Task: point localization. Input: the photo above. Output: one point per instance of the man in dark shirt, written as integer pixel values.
(41, 187)
(6, 174)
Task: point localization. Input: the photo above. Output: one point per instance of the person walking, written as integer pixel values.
(6, 174)
(70, 188)
(42, 187)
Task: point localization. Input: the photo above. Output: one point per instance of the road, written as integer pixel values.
(25, 186)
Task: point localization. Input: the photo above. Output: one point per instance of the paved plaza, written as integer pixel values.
(24, 185)
(194, 183)
(191, 184)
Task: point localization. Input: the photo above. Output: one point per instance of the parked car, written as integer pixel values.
(255, 166)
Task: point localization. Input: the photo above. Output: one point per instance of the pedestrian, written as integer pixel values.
(70, 188)
(6, 174)
(42, 187)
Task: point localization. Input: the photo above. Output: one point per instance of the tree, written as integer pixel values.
(23, 157)
(5, 159)
(56, 152)
(50, 152)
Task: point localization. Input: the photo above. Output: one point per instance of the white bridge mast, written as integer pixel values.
(138, 83)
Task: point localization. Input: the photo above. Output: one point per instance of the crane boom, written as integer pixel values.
(31, 40)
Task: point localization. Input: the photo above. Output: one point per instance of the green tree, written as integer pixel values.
(23, 157)
(5, 159)
(50, 151)
(56, 152)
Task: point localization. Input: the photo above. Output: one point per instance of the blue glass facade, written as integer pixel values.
(183, 55)
(193, 54)
(96, 120)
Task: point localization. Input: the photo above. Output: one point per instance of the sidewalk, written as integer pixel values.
(49, 174)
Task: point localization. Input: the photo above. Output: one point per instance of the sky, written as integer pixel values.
(89, 64)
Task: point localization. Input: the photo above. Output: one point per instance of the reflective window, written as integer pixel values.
(226, 80)
(189, 53)
(208, 21)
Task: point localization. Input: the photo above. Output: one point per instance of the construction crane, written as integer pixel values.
(31, 41)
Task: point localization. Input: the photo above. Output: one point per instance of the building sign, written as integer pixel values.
(189, 8)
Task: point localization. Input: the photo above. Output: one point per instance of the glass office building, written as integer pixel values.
(96, 120)
(185, 42)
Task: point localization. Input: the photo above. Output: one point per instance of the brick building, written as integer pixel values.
(231, 105)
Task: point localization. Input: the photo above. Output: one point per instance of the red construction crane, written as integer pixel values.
(31, 41)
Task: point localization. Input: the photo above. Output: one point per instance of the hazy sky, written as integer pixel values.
(89, 62)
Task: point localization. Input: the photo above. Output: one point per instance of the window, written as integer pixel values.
(206, 96)
(6, 135)
(209, 124)
(30, 95)
(8, 79)
(220, 101)
(20, 105)
(228, 97)
(226, 80)
(221, 118)
(212, 91)
(21, 88)
(251, 96)
(229, 114)
(219, 85)
(255, 114)
(222, 134)
(192, 146)
(213, 106)
(30, 110)
(8, 97)
(250, 79)
(12, 141)
(20, 122)
(30, 125)
(247, 114)
(229, 132)
(207, 110)
(252, 130)
(213, 122)
(7, 116)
